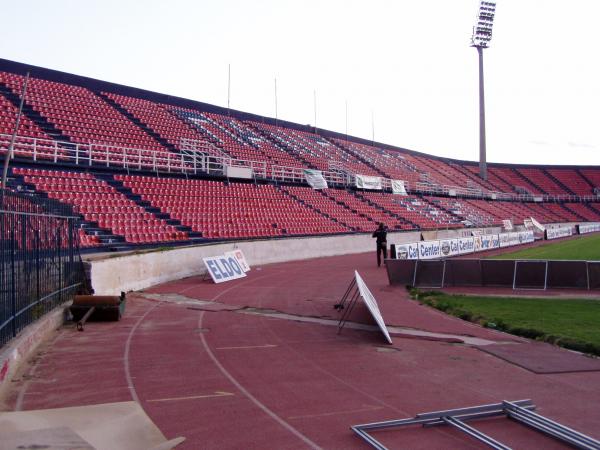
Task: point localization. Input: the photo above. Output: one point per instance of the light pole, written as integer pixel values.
(482, 35)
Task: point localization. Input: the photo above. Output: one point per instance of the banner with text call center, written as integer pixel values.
(451, 247)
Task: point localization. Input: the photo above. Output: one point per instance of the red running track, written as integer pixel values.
(226, 379)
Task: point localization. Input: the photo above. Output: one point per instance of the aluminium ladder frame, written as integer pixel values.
(520, 411)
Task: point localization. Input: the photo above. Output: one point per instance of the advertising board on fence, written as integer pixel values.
(466, 245)
(588, 228)
(485, 242)
(407, 251)
(445, 248)
(429, 249)
(449, 247)
(555, 233)
(223, 268)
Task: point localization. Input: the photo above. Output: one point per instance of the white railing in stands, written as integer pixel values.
(199, 162)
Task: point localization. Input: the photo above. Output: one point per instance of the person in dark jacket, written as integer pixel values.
(381, 235)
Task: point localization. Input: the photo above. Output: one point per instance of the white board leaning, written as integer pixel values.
(371, 305)
(223, 268)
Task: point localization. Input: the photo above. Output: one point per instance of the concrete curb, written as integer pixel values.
(21, 348)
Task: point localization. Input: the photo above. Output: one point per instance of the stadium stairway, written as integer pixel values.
(439, 205)
(106, 237)
(472, 177)
(156, 212)
(317, 210)
(46, 126)
(281, 145)
(387, 211)
(358, 156)
(594, 207)
(527, 180)
(571, 210)
(207, 135)
(558, 182)
(137, 122)
(587, 180)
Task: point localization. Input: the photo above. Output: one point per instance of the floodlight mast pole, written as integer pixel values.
(482, 146)
(482, 35)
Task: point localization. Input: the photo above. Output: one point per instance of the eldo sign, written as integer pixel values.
(223, 268)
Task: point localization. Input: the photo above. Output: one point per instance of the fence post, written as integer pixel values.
(37, 264)
(13, 283)
(60, 267)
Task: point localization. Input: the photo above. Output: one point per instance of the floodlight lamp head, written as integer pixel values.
(482, 31)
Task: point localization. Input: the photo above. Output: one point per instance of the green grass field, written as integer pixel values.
(571, 323)
(582, 248)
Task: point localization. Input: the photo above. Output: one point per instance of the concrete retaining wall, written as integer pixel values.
(131, 272)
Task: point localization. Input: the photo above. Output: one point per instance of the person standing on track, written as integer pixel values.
(381, 234)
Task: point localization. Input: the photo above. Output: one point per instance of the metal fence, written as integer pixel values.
(515, 274)
(40, 266)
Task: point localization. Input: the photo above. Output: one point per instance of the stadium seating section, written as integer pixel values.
(111, 154)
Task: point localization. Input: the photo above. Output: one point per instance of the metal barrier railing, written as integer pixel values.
(191, 161)
(40, 266)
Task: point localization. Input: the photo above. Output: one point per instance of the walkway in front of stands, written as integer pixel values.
(257, 363)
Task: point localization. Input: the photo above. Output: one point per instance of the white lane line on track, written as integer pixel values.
(238, 385)
(246, 347)
(193, 397)
(130, 385)
(253, 399)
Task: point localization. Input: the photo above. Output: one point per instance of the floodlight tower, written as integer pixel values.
(482, 35)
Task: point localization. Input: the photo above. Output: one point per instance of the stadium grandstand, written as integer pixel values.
(140, 168)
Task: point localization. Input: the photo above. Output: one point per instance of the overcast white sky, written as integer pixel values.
(408, 61)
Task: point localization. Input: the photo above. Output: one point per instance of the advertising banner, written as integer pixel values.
(368, 182)
(507, 224)
(429, 249)
(588, 228)
(398, 187)
(315, 179)
(504, 239)
(407, 251)
(223, 268)
(538, 225)
(555, 233)
(238, 172)
(526, 237)
(241, 259)
(449, 247)
(466, 245)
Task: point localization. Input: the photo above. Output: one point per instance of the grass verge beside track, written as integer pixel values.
(586, 248)
(570, 323)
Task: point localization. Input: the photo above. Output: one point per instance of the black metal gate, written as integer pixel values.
(40, 266)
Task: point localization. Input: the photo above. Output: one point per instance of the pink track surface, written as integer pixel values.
(226, 379)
